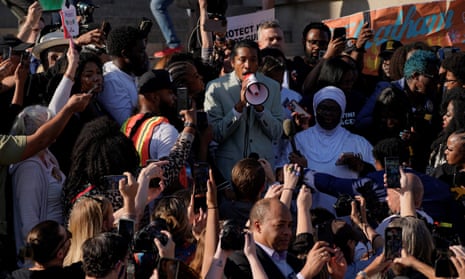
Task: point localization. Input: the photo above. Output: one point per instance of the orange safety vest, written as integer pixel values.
(143, 138)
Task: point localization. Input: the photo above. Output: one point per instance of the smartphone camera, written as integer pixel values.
(324, 232)
(126, 229)
(339, 32)
(201, 171)
(111, 182)
(183, 99)
(392, 165)
(393, 243)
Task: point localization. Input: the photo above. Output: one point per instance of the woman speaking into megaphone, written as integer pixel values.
(244, 109)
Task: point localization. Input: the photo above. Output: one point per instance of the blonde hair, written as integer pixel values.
(85, 221)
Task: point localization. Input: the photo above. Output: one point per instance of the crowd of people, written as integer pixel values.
(110, 169)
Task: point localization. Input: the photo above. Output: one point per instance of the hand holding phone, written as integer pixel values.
(295, 107)
(183, 99)
(392, 243)
(339, 32)
(201, 171)
(391, 168)
(126, 229)
(111, 182)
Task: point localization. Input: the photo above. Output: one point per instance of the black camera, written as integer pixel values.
(145, 26)
(343, 205)
(143, 241)
(86, 11)
(232, 236)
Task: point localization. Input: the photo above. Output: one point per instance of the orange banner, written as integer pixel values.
(439, 23)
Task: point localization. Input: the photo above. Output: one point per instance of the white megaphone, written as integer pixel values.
(257, 92)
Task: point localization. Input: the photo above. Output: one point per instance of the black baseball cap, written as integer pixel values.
(388, 47)
(154, 80)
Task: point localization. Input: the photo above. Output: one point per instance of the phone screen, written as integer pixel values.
(183, 100)
(111, 182)
(391, 165)
(392, 243)
(201, 172)
(126, 229)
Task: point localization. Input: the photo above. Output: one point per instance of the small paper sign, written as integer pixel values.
(69, 21)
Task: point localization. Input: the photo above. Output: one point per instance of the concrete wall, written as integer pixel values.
(292, 14)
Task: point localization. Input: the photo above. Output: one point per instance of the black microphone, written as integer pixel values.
(289, 131)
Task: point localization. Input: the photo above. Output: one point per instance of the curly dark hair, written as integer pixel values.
(122, 38)
(101, 253)
(399, 57)
(454, 63)
(457, 98)
(101, 149)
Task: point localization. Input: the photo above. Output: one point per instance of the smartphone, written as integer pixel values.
(201, 171)
(367, 18)
(175, 269)
(443, 266)
(105, 28)
(391, 167)
(126, 229)
(7, 52)
(295, 107)
(25, 57)
(184, 101)
(111, 182)
(392, 242)
(339, 32)
(215, 25)
(324, 233)
(201, 174)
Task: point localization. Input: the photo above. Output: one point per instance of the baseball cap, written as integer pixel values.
(154, 80)
(388, 47)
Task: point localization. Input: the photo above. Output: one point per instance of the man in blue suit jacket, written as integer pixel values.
(240, 128)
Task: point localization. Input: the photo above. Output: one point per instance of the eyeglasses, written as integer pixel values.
(67, 237)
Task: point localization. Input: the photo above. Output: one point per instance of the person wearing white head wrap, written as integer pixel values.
(322, 145)
(332, 93)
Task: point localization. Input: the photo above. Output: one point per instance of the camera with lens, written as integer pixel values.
(232, 237)
(143, 240)
(343, 205)
(85, 11)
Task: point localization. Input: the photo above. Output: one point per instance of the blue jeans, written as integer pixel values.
(160, 13)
